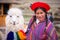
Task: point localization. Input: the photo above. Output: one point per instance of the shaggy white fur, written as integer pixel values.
(14, 20)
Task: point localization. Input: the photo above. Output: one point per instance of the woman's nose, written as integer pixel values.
(39, 15)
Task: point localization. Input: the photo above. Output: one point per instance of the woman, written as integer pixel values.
(40, 28)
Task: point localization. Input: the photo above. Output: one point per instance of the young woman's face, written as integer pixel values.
(40, 15)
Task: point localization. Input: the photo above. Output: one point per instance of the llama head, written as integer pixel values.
(14, 20)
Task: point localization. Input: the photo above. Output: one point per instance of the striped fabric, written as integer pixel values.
(20, 35)
(36, 31)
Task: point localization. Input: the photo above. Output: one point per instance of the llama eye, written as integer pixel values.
(17, 16)
(10, 16)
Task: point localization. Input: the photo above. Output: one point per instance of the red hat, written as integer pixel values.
(41, 5)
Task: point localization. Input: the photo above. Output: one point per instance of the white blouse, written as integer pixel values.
(37, 21)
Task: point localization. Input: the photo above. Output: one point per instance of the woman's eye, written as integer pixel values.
(40, 13)
(10, 16)
(17, 16)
